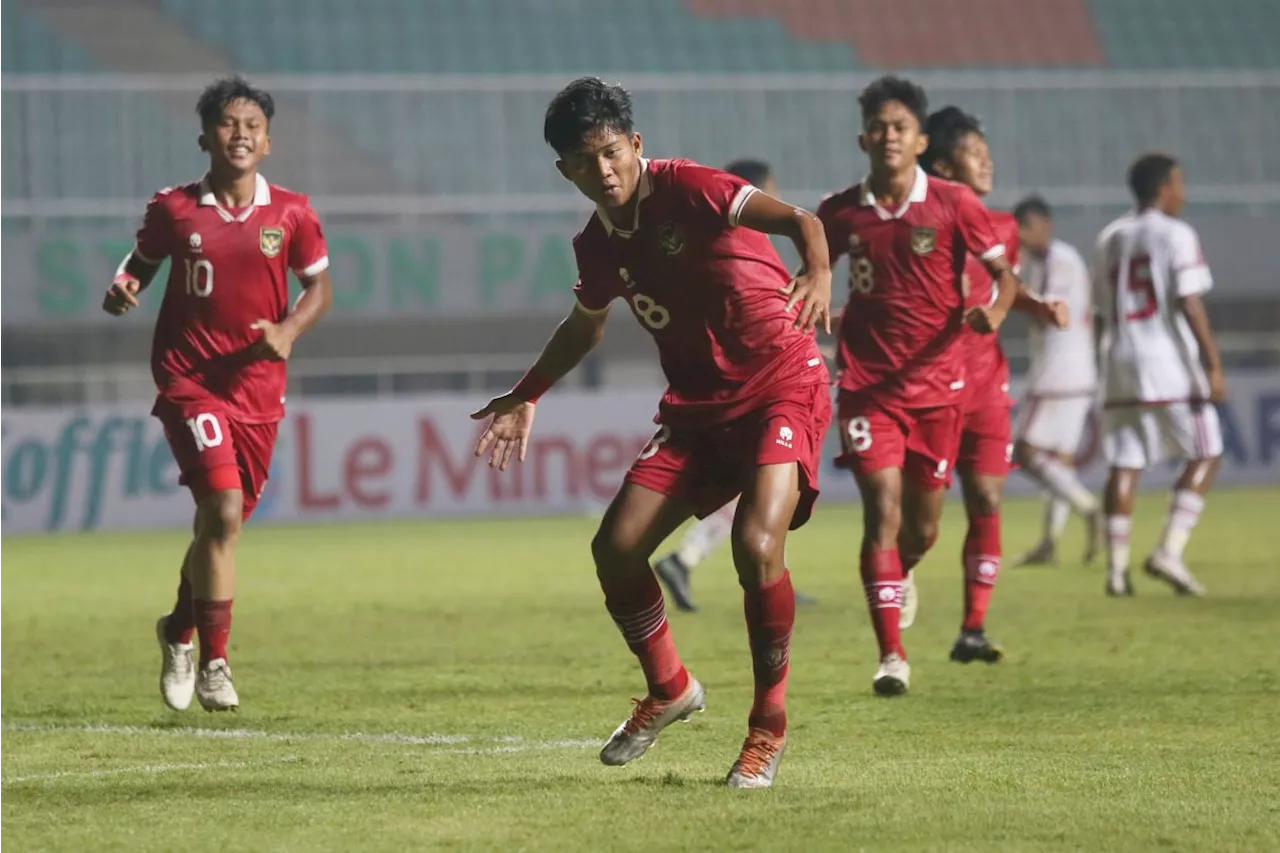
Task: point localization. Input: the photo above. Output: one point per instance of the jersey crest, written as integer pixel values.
(271, 241)
(670, 240)
(923, 240)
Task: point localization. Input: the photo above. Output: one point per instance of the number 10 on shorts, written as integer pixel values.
(206, 430)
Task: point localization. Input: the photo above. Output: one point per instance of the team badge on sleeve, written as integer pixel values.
(670, 240)
(923, 240)
(271, 241)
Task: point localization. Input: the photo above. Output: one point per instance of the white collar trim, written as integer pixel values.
(919, 193)
(644, 188)
(261, 198)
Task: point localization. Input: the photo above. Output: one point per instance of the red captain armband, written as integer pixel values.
(532, 386)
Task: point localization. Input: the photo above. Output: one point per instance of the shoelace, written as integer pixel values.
(643, 714)
(757, 753)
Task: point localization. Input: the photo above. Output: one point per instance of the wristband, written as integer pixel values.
(532, 386)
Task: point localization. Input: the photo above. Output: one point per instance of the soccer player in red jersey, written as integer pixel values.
(223, 335)
(958, 151)
(902, 344)
(747, 405)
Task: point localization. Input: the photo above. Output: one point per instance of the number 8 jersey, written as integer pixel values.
(1145, 262)
(229, 269)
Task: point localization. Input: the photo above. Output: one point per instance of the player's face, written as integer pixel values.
(605, 168)
(892, 138)
(971, 164)
(239, 141)
(1035, 233)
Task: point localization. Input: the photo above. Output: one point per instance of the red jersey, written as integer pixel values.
(706, 290)
(228, 270)
(988, 369)
(901, 332)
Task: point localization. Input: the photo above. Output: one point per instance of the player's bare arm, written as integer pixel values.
(812, 285)
(986, 319)
(131, 279)
(1051, 312)
(512, 413)
(277, 339)
(1193, 309)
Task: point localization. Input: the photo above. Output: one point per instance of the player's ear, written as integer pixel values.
(862, 141)
(202, 142)
(266, 146)
(637, 144)
(922, 143)
(563, 169)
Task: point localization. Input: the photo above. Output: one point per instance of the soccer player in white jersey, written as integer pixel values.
(1061, 383)
(1162, 373)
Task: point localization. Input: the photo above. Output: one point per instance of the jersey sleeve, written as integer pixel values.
(718, 195)
(155, 236)
(596, 286)
(977, 231)
(308, 252)
(1190, 272)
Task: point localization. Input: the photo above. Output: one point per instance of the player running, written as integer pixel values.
(1162, 373)
(958, 151)
(675, 570)
(902, 344)
(685, 247)
(1061, 383)
(223, 335)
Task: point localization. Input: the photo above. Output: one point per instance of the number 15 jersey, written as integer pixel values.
(901, 335)
(1145, 262)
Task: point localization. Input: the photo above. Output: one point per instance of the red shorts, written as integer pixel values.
(710, 466)
(877, 434)
(986, 440)
(215, 453)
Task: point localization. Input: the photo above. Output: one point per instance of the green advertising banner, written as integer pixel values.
(59, 276)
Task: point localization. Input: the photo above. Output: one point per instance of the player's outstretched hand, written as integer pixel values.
(814, 290)
(983, 319)
(121, 296)
(276, 342)
(1056, 313)
(1217, 386)
(508, 431)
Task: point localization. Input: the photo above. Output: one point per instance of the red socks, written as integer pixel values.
(181, 623)
(882, 580)
(213, 624)
(981, 568)
(635, 603)
(771, 614)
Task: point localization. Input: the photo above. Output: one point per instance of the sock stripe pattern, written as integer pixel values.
(884, 595)
(638, 626)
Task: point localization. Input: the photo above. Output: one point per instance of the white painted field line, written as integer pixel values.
(149, 769)
(505, 744)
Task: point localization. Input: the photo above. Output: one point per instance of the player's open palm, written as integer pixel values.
(121, 296)
(509, 429)
(812, 291)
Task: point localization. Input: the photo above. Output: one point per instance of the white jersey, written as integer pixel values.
(1145, 262)
(1063, 363)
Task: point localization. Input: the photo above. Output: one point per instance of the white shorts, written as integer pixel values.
(1138, 437)
(1055, 424)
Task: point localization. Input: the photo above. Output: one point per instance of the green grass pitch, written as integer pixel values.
(446, 686)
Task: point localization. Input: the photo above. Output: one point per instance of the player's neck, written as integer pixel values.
(234, 191)
(892, 187)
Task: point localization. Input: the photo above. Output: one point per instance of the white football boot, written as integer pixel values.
(893, 677)
(758, 762)
(177, 670)
(1173, 572)
(910, 602)
(650, 716)
(214, 689)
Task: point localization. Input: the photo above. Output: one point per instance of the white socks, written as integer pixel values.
(1184, 512)
(1056, 512)
(1118, 527)
(1061, 482)
(707, 535)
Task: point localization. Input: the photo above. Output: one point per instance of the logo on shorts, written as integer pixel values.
(195, 241)
(941, 472)
(271, 241)
(626, 277)
(923, 240)
(785, 435)
(670, 240)
(1008, 452)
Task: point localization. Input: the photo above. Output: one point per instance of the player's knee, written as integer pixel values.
(1024, 454)
(883, 515)
(758, 553)
(611, 547)
(984, 499)
(221, 516)
(918, 537)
